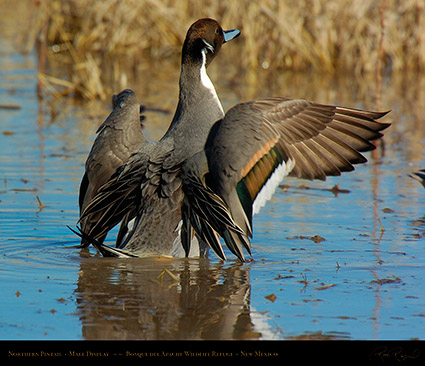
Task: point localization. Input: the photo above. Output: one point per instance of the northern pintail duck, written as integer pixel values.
(212, 171)
(118, 137)
(419, 175)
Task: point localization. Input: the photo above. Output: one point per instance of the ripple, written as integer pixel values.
(32, 257)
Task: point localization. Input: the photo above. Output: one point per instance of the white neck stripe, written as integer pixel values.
(206, 81)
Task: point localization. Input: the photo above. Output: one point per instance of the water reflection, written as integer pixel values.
(164, 299)
(418, 228)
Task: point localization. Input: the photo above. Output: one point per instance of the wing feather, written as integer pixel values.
(255, 139)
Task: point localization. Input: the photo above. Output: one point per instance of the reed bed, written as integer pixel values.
(86, 46)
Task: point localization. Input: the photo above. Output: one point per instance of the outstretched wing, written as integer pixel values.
(119, 136)
(122, 198)
(118, 199)
(258, 143)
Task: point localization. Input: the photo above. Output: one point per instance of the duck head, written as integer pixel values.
(204, 39)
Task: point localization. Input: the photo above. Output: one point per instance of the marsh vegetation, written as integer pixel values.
(88, 48)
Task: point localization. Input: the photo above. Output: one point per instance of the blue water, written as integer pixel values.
(363, 278)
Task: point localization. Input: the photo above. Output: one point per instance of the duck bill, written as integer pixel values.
(230, 34)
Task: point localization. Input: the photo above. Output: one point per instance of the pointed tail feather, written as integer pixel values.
(103, 249)
(208, 215)
(186, 230)
(206, 233)
(234, 242)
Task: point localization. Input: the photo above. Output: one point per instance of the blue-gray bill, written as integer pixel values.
(231, 34)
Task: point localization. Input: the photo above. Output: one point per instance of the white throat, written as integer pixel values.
(206, 81)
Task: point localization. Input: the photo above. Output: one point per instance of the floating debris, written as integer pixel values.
(325, 287)
(280, 277)
(160, 278)
(335, 189)
(311, 300)
(8, 133)
(304, 281)
(24, 189)
(40, 204)
(10, 107)
(388, 210)
(271, 297)
(382, 281)
(315, 238)
(382, 226)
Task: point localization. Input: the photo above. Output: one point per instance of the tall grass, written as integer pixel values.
(95, 42)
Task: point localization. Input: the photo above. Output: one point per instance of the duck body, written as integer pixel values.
(212, 171)
(151, 177)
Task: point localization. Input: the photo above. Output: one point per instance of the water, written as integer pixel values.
(362, 278)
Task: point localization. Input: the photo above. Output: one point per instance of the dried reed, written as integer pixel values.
(92, 44)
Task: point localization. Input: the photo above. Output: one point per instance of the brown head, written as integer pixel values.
(205, 36)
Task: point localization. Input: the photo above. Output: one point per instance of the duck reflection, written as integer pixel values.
(155, 299)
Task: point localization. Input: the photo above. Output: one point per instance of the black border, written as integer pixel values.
(300, 352)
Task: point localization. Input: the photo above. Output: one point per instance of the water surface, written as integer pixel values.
(327, 264)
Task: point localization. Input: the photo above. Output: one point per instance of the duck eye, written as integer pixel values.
(217, 31)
